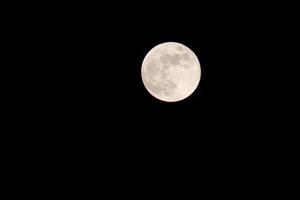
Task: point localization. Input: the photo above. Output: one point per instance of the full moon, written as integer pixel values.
(171, 72)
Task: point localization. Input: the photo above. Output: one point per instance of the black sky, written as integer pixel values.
(85, 63)
(87, 86)
(82, 105)
(92, 60)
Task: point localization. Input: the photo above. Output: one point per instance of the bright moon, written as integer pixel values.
(171, 72)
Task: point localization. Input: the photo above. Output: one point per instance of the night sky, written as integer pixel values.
(98, 68)
(92, 74)
(91, 100)
(86, 94)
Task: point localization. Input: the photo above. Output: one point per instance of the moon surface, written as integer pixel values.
(171, 72)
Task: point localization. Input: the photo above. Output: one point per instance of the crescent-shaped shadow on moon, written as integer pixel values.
(171, 72)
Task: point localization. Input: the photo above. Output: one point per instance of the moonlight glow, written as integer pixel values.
(171, 72)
